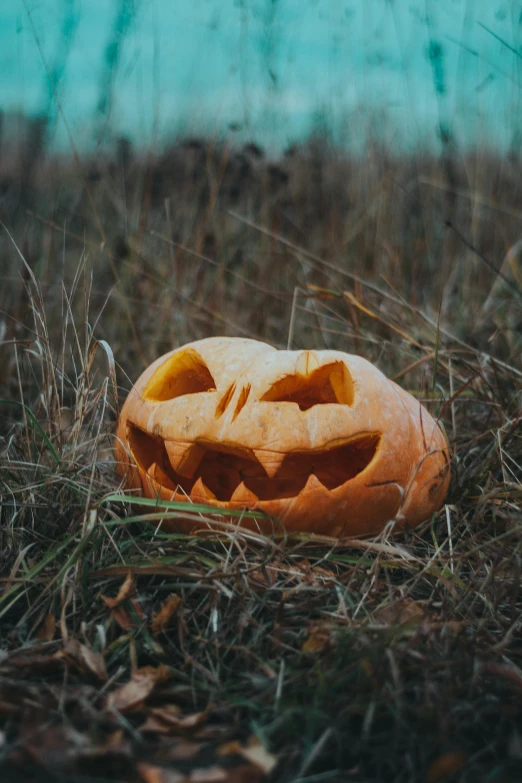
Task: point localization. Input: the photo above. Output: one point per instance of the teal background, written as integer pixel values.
(405, 72)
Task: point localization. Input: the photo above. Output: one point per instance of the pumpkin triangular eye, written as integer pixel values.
(329, 383)
(183, 373)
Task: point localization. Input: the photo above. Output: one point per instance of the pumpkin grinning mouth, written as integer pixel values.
(234, 474)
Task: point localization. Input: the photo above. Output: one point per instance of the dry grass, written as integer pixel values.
(130, 654)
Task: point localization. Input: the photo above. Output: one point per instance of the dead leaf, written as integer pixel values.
(154, 725)
(168, 713)
(85, 658)
(257, 754)
(511, 674)
(444, 766)
(115, 740)
(159, 720)
(127, 590)
(169, 719)
(209, 775)
(183, 749)
(47, 629)
(161, 620)
(118, 612)
(211, 732)
(267, 575)
(316, 576)
(258, 580)
(36, 664)
(121, 616)
(231, 748)
(400, 613)
(153, 774)
(132, 695)
(320, 637)
(245, 773)
(368, 668)
(191, 720)
(55, 746)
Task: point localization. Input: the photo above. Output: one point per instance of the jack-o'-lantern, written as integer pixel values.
(320, 440)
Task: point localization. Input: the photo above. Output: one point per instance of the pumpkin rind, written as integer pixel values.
(320, 440)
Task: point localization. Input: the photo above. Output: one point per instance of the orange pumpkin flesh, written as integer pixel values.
(320, 440)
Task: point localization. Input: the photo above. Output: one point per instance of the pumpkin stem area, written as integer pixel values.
(224, 470)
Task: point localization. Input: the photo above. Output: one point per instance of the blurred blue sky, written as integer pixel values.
(275, 68)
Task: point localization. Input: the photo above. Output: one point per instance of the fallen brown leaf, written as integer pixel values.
(127, 590)
(368, 668)
(84, 658)
(444, 766)
(267, 576)
(246, 773)
(169, 719)
(36, 663)
(209, 775)
(154, 725)
(510, 674)
(122, 617)
(47, 629)
(161, 620)
(131, 695)
(210, 732)
(183, 749)
(55, 746)
(400, 613)
(309, 574)
(320, 637)
(257, 754)
(153, 774)
(115, 740)
(119, 613)
(258, 580)
(191, 720)
(231, 748)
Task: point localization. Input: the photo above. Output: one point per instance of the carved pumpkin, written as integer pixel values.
(320, 440)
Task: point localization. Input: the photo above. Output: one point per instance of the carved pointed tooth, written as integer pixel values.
(184, 457)
(242, 494)
(270, 460)
(200, 492)
(165, 480)
(313, 484)
(151, 471)
(158, 475)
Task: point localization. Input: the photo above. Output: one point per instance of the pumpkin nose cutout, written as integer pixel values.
(243, 397)
(225, 400)
(331, 383)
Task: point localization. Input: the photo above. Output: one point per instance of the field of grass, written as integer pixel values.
(129, 654)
